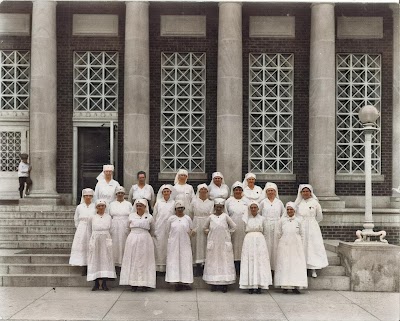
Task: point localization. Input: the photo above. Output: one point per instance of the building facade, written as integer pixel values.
(271, 88)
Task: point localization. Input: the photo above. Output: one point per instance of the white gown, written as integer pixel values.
(255, 271)
(256, 194)
(219, 268)
(79, 249)
(291, 270)
(187, 191)
(105, 191)
(200, 211)
(179, 250)
(119, 212)
(310, 212)
(272, 212)
(162, 212)
(147, 192)
(218, 192)
(236, 209)
(100, 257)
(138, 265)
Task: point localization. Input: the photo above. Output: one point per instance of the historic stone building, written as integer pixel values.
(267, 87)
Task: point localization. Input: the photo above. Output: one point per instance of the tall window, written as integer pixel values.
(14, 80)
(95, 81)
(358, 84)
(271, 113)
(183, 104)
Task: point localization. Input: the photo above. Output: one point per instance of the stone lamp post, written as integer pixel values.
(368, 116)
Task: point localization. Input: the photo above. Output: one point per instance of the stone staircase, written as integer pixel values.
(35, 245)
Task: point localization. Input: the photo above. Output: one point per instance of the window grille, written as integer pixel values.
(14, 80)
(95, 81)
(10, 149)
(183, 103)
(358, 80)
(271, 113)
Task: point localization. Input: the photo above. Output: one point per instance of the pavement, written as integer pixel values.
(80, 303)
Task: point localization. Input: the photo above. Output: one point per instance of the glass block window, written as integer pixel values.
(358, 83)
(183, 105)
(271, 113)
(10, 149)
(14, 80)
(95, 81)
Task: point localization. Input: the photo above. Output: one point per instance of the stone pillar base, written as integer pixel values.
(331, 202)
(41, 199)
(395, 202)
(372, 266)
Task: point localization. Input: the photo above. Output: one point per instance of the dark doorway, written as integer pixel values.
(93, 153)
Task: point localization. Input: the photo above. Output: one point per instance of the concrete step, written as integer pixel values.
(38, 215)
(337, 270)
(37, 222)
(331, 245)
(37, 237)
(37, 208)
(333, 258)
(35, 245)
(37, 229)
(336, 283)
(29, 268)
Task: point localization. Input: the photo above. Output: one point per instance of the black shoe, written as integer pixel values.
(144, 288)
(224, 288)
(178, 287)
(296, 291)
(134, 288)
(213, 288)
(251, 291)
(258, 291)
(96, 285)
(104, 285)
(285, 291)
(186, 287)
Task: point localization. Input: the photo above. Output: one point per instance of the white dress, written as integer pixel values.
(219, 268)
(138, 265)
(146, 192)
(79, 249)
(187, 191)
(218, 192)
(290, 268)
(100, 257)
(200, 210)
(255, 271)
(236, 209)
(105, 191)
(179, 251)
(119, 212)
(256, 194)
(310, 212)
(163, 210)
(272, 212)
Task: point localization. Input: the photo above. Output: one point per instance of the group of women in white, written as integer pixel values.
(245, 231)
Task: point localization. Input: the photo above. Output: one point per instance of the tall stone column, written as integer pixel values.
(396, 101)
(229, 92)
(136, 91)
(43, 101)
(322, 111)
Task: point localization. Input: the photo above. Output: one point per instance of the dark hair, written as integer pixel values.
(140, 172)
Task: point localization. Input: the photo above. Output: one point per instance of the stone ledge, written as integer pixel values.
(272, 27)
(353, 178)
(95, 25)
(360, 27)
(276, 177)
(183, 26)
(192, 177)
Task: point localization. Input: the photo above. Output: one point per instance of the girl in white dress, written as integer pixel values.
(106, 185)
(200, 209)
(163, 210)
(255, 271)
(179, 251)
(100, 257)
(217, 187)
(83, 212)
(138, 265)
(183, 189)
(272, 209)
(236, 207)
(251, 191)
(119, 211)
(291, 270)
(310, 211)
(219, 269)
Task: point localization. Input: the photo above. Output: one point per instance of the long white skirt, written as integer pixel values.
(120, 232)
(290, 268)
(79, 249)
(199, 241)
(238, 237)
(138, 265)
(272, 241)
(314, 248)
(255, 270)
(100, 258)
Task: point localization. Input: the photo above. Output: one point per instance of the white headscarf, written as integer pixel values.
(101, 176)
(142, 201)
(247, 176)
(86, 191)
(269, 185)
(217, 174)
(199, 187)
(292, 205)
(170, 187)
(236, 184)
(181, 171)
(248, 214)
(299, 197)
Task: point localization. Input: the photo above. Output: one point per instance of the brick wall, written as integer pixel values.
(385, 48)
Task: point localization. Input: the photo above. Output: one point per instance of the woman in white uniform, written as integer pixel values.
(183, 189)
(310, 211)
(79, 249)
(251, 191)
(138, 265)
(217, 187)
(142, 190)
(106, 185)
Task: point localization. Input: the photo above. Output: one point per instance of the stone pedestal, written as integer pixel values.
(372, 266)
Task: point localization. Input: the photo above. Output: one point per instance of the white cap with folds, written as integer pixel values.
(219, 201)
(87, 191)
(180, 172)
(101, 201)
(108, 168)
(179, 204)
(120, 189)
